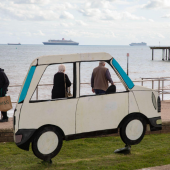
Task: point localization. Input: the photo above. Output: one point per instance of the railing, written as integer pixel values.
(160, 86)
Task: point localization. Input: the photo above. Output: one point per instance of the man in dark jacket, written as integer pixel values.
(4, 83)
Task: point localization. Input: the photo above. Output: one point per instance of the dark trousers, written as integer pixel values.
(98, 91)
(4, 114)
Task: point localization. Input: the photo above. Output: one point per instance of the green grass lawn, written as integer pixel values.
(92, 153)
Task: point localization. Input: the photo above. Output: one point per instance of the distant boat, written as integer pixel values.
(14, 44)
(61, 42)
(138, 44)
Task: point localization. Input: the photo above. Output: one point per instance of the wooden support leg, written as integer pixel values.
(163, 53)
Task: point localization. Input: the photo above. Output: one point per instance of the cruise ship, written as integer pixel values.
(14, 44)
(61, 42)
(138, 44)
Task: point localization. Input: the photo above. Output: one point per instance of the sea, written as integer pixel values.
(16, 60)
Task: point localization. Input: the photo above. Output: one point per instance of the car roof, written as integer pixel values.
(66, 58)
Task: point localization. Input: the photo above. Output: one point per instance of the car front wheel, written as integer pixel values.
(47, 143)
(133, 130)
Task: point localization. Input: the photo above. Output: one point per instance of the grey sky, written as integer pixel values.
(89, 22)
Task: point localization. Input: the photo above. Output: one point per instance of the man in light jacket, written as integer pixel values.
(100, 78)
(4, 83)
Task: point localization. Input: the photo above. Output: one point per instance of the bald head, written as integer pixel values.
(102, 63)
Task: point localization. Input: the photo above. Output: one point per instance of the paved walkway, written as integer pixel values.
(164, 167)
(165, 111)
(7, 125)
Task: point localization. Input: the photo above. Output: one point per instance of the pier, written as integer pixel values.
(165, 52)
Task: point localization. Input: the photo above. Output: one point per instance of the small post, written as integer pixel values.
(152, 84)
(166, 54)
(127, 63)
(159, 87)
(152, 54)
(142, 81)
(162, 89)
(169, 55)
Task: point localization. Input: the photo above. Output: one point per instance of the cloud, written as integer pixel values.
(26, 34)
(89, 34)
(107, 14)
(113, 35)
(131, 16)
(66, 15)
(31, 1)
(98, 4)
(104, 3)
(111, 15)
(79, 22)
(66, 24)
(90, 12)
(68, 5)
(105, 10)
(160, 35)
(151, 20)
(39, 33)
(27, 14)
(34, 12)
(155, 4)
(166, 16)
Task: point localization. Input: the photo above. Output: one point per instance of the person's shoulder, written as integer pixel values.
(58, 74)
(96, 68)
(2, 73)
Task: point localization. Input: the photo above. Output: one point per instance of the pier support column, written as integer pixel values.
(169, 55)
(163, 54)
(152, 54)
(166, 54)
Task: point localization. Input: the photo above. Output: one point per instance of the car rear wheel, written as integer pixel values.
(47, 143)
(133, 130)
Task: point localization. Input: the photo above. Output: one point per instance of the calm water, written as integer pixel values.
(17, 59)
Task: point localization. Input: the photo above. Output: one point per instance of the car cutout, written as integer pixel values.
(46, 123)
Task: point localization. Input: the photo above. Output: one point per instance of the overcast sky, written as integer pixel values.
(89, 22)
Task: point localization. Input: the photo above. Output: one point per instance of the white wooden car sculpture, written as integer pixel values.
(76, 117)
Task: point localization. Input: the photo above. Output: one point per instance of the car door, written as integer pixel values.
(101, 112)
(44, 110)
(98, 112)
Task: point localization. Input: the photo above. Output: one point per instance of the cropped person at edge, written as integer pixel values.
(100, 78)
(58, 90)
(4, 83)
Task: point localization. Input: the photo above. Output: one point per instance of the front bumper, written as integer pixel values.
(23, 138)
(155, 123)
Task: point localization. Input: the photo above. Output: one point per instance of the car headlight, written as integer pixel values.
(159, 104)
